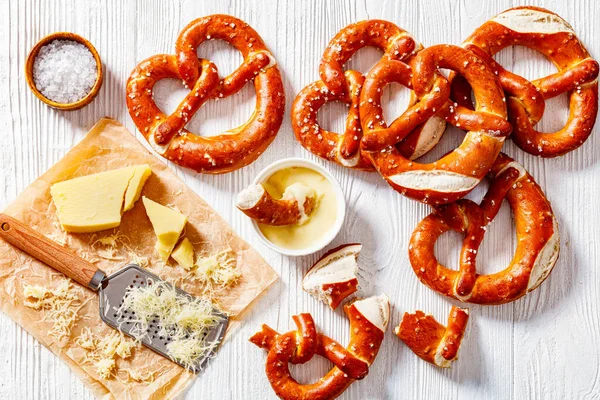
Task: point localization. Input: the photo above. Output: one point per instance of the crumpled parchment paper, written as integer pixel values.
(108, 145)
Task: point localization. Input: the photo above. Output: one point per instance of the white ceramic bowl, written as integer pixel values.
(341, 204)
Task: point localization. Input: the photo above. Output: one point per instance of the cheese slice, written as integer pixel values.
(139, 178)
(168, 225)
(95, 202)
(184, 254)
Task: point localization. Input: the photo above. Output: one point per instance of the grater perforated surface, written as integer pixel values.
(112, 293)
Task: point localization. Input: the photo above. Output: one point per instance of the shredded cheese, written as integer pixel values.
(111, 253)
(61, 306)
(87, 340)
(217, 271)
(188, 351)
(105, 367)
(123, 349)
(111, 240)
(136, 259)
(136, 376)
(183, 319)
(102, 353)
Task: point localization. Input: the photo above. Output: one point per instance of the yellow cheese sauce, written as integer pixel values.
(322, 218)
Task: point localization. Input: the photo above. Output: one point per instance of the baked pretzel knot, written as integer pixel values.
(337, 85)
(549, 34)
(368, 322)
(167, 133)
(457, 173)
(537, 240)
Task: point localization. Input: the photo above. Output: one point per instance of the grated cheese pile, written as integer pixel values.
(102, 353)
(183, 319)
(61, 306)
(219, 268)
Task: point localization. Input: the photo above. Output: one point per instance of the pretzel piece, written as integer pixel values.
(457, 173)
(430, 340)
(294, 207)
(167, 133)
(537, 249)
(333, 277)
(368, 321)
(546, 32)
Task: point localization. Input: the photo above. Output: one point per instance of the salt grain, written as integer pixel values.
(64, 71)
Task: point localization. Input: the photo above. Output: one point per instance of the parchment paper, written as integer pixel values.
(108, 145)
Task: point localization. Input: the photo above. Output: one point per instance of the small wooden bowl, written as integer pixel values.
(87, 99)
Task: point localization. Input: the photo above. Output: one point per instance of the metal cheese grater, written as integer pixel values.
(112, 289)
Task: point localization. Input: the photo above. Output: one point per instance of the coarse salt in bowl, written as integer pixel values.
(64, 71)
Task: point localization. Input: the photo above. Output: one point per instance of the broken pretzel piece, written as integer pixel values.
(432, 341)
(294, 207)
(333, 277)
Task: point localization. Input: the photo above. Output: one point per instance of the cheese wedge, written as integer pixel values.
(184, 254)
(139, 178)
(96, 202)
(168, 225)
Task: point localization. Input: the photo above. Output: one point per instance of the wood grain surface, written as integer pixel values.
(544, 346)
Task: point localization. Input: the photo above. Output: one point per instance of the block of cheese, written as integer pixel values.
(96, 202)
(184, 254)
(168, 225)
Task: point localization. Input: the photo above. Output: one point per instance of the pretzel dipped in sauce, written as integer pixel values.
(167, 134)
(430, 340)
(337, 85)
(294, 207)
(546, 32)
(368, 321)
(537, 249)
(457, 173)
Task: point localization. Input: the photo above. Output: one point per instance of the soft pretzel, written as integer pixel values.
(343, 149)
(432, 341)
(333, 277)
(368, 322)
(294, 207)
(457, 173)
(167, 133)
(336, 85)
(549, 34)
(537, 240)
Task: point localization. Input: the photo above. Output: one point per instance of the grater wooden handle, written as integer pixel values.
(47, 251)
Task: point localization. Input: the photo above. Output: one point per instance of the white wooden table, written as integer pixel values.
(544, 346)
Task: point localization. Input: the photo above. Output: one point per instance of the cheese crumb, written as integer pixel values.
(218, 269)
(105, 367)
(61, 306)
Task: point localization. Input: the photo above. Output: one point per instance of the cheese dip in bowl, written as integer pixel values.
(322, 224)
